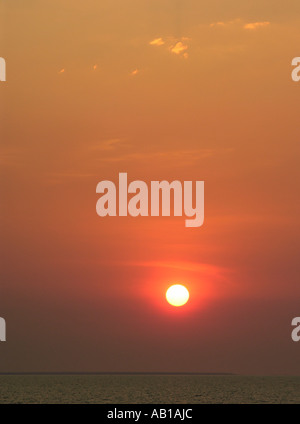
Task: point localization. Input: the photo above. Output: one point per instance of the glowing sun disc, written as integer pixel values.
(177, 295)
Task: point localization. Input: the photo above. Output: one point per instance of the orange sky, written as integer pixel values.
(187, 90)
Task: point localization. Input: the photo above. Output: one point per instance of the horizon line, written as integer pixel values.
(112, 373)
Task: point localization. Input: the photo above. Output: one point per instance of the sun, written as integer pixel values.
(177, 295)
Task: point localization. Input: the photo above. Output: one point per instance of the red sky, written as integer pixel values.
(187, 90)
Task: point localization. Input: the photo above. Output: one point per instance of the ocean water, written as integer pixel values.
(157, 389)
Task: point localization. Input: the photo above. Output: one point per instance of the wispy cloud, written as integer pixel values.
(215, 24)
(134, 72)
(173, 45)
(256, 25)
(183, 265)
(225, 23)
(110, 144)
(184, 157)
(157, 42)
(179, 48)
(241, 24)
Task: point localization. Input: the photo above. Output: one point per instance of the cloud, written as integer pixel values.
(173, 45)
(225, 24)
(110, 144)
(135, 72)
(157, 42)
(179, 48)
(217, 24)
(240, 23)
(183, 265)
(255, 25)
(186, 157)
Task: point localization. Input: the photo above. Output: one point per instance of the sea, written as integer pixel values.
(148, 389)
